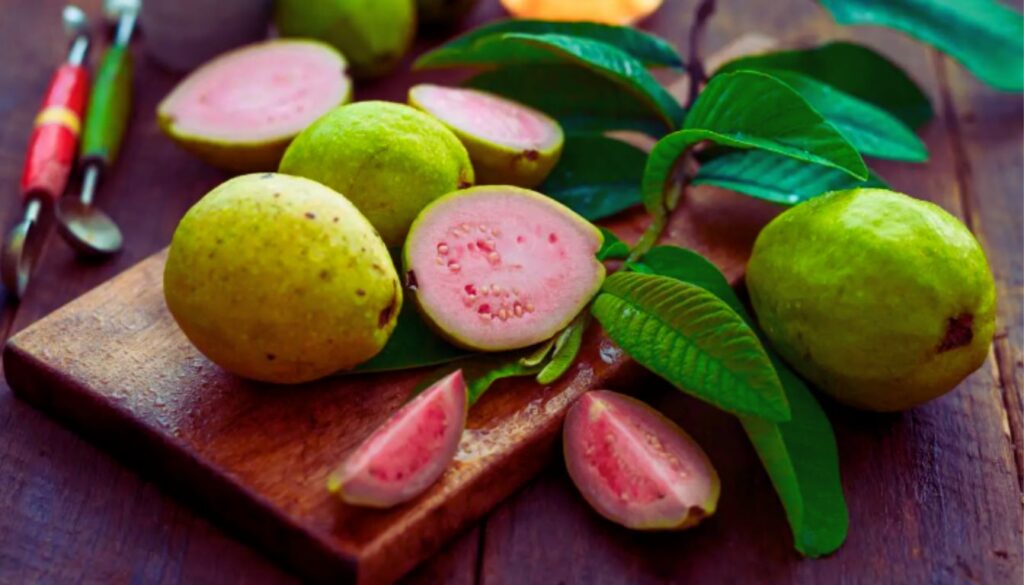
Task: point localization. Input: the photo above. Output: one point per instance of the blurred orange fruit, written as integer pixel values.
(606, 11)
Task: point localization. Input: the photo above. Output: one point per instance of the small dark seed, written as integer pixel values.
(271, 357)
(310, 215)
(360, 292)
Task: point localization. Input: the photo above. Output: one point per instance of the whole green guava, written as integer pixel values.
(280, 279)
(373, 35)
(881, 300)
(389, 159)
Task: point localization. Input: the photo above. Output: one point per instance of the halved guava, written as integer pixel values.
(240, 110)
(497, 267)
(508, 142)
(636, 467)
(618, 12)
(409, 452)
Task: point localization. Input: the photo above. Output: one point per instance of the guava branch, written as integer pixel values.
(695, 63)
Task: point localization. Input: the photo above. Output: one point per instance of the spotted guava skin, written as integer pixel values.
(280, 279)
(881, 300)
(373, 35)
(389, 159)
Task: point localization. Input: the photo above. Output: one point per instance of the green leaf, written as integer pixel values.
(983, 35)
(871, 130)
(413, 344)
(691, 338)
(604, 60)
(566, 349)
(469, 50)
(747, 109)
(581, 100)
(800, 455)
(776, 178)
(612, 248)
(596, 176)
(477, 385)
(540, 354)
(853, 69)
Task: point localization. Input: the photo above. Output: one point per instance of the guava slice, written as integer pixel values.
(509, 143)
(634, 466)
(498, 267)
(409, 452)
(240, 110)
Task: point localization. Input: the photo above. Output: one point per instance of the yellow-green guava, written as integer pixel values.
(881, 300)
(373, 35)
(390, 160)
(280, 279)
(241, 110)
(508, 142)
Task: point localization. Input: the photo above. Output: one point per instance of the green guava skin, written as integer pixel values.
(881, 300)
(373, 35)
(280, 279)
(389, 159)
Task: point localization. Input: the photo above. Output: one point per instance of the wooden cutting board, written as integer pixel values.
(114, 366)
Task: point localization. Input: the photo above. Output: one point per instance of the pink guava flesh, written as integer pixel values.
(497, 267)
(260, 92)
(409, 452)
(636, 467)
(488, 116)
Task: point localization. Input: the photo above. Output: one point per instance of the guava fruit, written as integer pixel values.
(499, 267)
(372, 34)
(636, 467)
(280, 279)
(509, 143)
(442, 14)
(620, 12)
(409, 452)
(880, 300)
(390, 160)
(240, 110)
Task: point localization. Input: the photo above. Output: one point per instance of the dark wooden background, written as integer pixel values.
(935, 494)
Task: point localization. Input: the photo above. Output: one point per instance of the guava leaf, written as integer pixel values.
(851, 68)
(469, 50)
(604, 60)
(800, 455)
(612, 248)
(478, 384)
(985, 36)
(693, 340)
(567, 347)
(748, 109)
(540, 354)
(871, 130)
(581, 100)
(596, 176)
(413, 344)
(776, 178)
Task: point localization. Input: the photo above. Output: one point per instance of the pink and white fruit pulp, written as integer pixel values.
(255, 99)
(496, 268)
(508, 142)
(409, 452)
(636, 467)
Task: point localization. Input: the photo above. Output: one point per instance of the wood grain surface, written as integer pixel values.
(935, 493)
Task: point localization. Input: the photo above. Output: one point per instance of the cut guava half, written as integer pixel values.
(409, 452)
(240, 110)
(509, 143)
(636, 467)
(498, 267)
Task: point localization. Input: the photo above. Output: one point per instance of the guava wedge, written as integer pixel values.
(241, 110)
(634, 466)
(409, 452)
(498, 267)
(881, 300)
(508, 142)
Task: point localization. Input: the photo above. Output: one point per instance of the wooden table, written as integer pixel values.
(935, 494)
